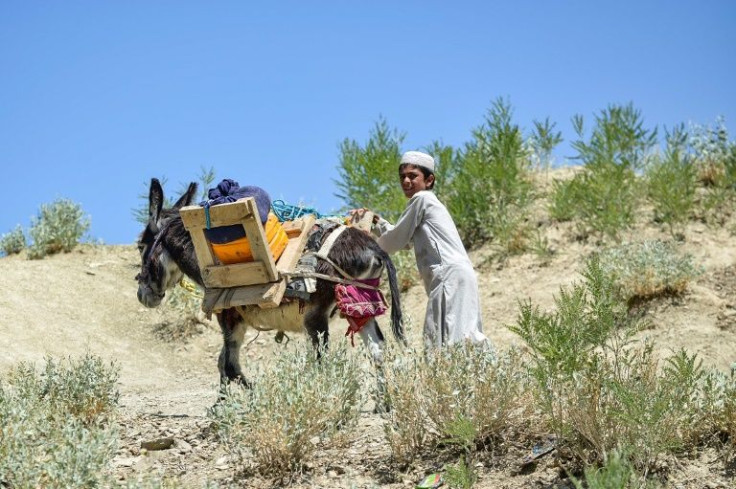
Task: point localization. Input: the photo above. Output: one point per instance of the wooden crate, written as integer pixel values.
(260, 281)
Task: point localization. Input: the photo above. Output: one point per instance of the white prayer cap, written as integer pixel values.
(419, 159)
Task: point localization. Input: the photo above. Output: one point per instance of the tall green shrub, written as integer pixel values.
(671, 181)
(369, 174)
(490, 193)
(603, 391)
(603, 199)
(58, 227)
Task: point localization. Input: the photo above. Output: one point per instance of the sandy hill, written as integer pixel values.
(85, 301)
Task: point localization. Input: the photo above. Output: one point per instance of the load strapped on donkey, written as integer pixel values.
(250, 256)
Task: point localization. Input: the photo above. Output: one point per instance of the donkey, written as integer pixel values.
(167, 254)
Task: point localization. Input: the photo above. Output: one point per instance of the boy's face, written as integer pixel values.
(412, 180)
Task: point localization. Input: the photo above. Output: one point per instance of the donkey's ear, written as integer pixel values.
(187, 198)
(155, 200)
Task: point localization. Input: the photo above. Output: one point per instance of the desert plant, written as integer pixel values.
(616, 472)
(368, 175)
(13, 242)
(543, 140)
(271, 428)
(604, 197)
(647, 269)
(602, 391)
(56, 429)
(58, 227)
(467, 396)
(490, 194)
(714, 156)
(671, 182)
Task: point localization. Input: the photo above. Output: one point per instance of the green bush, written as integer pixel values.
(491, 192)
(56, 429)
(602, 391)
(58, 227)
(647, 269)
(271, 428)
(369, 175)
(671, 181)
(617, 472)
(604, 197)
(13, 242)
(543, 141)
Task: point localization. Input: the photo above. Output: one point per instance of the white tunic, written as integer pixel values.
(453, 309)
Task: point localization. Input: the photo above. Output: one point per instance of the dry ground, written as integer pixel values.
(85, 301)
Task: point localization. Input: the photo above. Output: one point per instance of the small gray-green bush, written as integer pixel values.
(13, 242)
(271, 428)
(647, 269)
(58, 227)
(56, 429)
(461, 395)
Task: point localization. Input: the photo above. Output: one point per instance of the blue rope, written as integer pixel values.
(288, 212)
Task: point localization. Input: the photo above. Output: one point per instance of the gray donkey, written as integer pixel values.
(167, 253)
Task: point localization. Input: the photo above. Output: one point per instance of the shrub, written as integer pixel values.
(55, 430)
(715, 158)
(271, 427)
(491, 191)
(468, 395)
(543, 141)
(604, 392)
(369, 174)
(13, 242)
(648, 269)
(604, 197)
(617, 472)
(671, 182)
(58, 227)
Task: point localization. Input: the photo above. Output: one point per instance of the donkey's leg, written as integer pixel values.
(233, 332)
(316, 322)
(373, 340)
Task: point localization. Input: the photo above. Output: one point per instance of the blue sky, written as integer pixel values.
(98, 97)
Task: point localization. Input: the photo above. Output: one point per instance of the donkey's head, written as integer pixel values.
(159, 271)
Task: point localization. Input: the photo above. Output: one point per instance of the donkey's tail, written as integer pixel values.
(397, 324)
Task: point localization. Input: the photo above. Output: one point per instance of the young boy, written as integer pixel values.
(453, 308)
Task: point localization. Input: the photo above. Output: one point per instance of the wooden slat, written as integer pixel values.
(258, 242)
(194, 216)
(202, 249)
(295, 227)
(235, 275)
(294, 248)
(264, 295)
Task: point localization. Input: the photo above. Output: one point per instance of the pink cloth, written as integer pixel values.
(358, 304)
